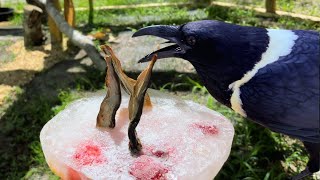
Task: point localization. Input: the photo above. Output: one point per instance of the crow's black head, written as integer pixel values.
(194, 41)
(220, 52)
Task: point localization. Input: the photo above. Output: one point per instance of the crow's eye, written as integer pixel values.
(191, 40)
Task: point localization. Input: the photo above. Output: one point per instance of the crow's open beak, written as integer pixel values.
(171, 33)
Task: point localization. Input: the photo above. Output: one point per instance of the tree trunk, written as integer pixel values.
(33, 35)
(55, 34)
(75, 36)
(90, 20)
(271, 6)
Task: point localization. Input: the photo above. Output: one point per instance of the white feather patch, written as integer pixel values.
(280, 44)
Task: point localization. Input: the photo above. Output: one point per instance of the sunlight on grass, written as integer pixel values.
(6, 56)
(141, 15)
(98, 3)
(308, 7)
(250, 18)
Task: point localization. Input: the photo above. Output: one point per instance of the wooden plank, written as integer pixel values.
(55, 34)
(69, 12)
(270, 6)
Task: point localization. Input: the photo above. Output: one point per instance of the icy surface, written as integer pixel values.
(180, 139)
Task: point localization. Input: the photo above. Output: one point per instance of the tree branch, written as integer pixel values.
(75, 36)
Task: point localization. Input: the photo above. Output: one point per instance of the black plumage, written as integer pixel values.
(282, 95)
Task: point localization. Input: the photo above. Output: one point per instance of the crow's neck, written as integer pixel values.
(231, 60)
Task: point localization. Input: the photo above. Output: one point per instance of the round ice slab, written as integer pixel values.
(180, 139)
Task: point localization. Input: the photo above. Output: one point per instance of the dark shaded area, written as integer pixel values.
(11, 77)
(17, 31)
(5, 13)
(32, 109)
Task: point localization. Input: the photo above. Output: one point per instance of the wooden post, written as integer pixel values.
(90, 20)
(55, 34)
(33, 35)
(69, 12)
(77, 38)
(271, 6)
(69, 15)
(203, 2)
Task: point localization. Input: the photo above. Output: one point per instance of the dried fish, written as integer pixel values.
(112, 101)
(137, 89)
(136, 103)
(126, 82)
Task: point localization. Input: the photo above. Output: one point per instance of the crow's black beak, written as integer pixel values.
(171, 33)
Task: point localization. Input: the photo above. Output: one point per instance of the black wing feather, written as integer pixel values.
(284, 95)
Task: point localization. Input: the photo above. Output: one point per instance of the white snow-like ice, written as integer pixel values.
(180, 139)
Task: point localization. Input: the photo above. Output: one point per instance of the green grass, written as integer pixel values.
(18, 5)
(308, 7)
(143, 16)
(136, 18)
(21, 125)
(132, 17)
(16, 19)
(250, 18)
(6, 56)
(98, 3)
(22, 120)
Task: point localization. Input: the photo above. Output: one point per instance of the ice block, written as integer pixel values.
(180, 140)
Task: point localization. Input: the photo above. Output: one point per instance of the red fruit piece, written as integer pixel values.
(88, 154)
(161, 152)
(207, 129)
(146, 167)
